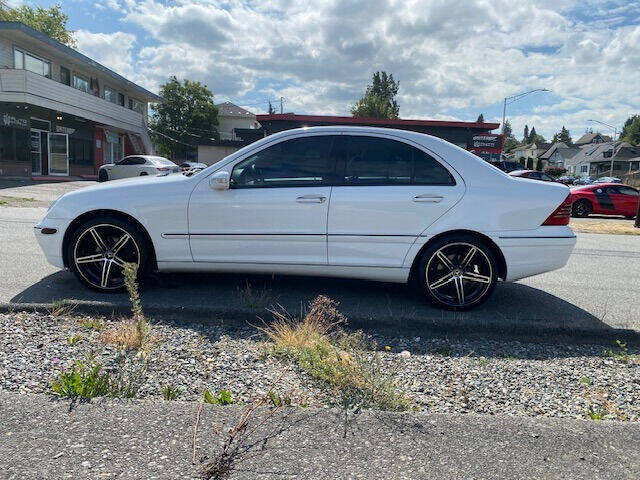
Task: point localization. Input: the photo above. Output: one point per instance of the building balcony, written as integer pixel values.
(22, 86)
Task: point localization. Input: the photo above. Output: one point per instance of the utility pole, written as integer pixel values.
(281, 100)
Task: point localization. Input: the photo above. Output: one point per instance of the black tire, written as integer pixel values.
(91, 270)
(143, 174)
(582, 208)
(103, 176)
(462, 287)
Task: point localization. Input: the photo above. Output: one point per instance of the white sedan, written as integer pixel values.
(369, 203)
(137, 166)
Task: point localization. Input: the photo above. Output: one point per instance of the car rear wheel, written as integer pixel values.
(581, 208)
(143, 174)
(458, 272)
(103, 176)
(98, 250)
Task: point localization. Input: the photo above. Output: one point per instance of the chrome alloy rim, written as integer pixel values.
(459, 274)
(100, 254)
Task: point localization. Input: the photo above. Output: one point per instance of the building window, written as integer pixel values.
(80, 83)
(110, 95)
(28, 61)
(584, 168)
(65, 76)
(135, 105)
(121, 99)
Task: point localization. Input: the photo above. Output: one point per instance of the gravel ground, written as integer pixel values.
(438, 375)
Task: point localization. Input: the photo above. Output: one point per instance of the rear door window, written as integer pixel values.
(382, 161)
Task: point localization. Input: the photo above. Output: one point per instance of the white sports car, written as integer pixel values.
(137, 166)
(370, 203)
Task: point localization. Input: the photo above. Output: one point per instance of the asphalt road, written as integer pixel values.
(45, 438)
(595, 295)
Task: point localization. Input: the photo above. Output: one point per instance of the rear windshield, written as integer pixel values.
(161, 161)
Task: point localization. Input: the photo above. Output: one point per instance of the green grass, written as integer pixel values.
(444, 351)
(483, 362)
(585, 381)
(347, 364)
(90, 379)
(73, 339)
(92, 324)
(506, 356)
(169, 392)
(223, 398)
(621, 353)
(596, 413)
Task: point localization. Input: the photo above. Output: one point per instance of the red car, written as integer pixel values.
(533, 174)
(604, 199)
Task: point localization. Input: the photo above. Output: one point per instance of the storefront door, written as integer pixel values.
(36, 152)
(58, 154)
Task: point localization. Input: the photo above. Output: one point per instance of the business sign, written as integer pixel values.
(11, 121)
(67, 130)
(485, 142)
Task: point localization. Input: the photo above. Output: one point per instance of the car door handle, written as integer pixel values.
(311, 199)
(428, 198)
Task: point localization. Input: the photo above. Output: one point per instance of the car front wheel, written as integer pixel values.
(103, 176)
(458, 272)
(99, 249)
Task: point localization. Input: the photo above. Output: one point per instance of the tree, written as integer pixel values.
(271, 109)
(509, 144)
(480, 119)
(539, 165)
(185, 114)
(529, 163)
(379, 99)
(563, 136)
(508, 132)
(522, 161)
(631, 130)
(525, 139)
(50, 21)
(534, 137)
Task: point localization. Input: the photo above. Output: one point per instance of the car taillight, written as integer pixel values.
(162, 169)
(560, 215)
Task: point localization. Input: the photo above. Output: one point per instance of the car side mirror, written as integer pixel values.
(219, 181)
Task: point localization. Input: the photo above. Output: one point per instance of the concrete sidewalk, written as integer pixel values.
(48, 438)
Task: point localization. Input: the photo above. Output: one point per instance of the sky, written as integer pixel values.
(454, 59)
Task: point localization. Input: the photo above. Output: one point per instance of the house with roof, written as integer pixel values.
(596, 159)
(592, 138)
(529, 150)
(62, 114)
(558, 154)
(232, 120)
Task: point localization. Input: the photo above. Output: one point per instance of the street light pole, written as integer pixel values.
(615, 134)
(514, 98)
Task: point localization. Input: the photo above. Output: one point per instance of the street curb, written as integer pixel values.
(522, 330)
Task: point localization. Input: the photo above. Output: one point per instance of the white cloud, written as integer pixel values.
(450, 56)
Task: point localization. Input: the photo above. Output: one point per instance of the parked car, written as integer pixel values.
(189, 168)
(137, 166)
(532, 174)
(508, 166)
(583, 181)
(604, 199)
(360, 202)
(608, 180)
(566, 179)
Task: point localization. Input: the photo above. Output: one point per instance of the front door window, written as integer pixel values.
(58, 154)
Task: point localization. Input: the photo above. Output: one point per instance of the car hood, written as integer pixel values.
(116, 194)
